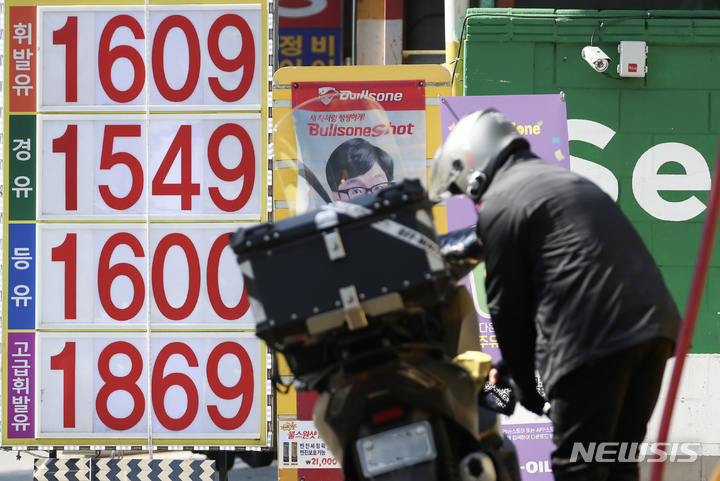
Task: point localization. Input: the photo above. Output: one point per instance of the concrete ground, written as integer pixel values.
(12, 469)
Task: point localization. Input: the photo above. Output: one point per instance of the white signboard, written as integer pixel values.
(136, 144)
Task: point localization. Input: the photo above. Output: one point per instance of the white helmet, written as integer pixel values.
(466, 162)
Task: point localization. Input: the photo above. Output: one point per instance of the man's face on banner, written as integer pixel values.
(371, 181)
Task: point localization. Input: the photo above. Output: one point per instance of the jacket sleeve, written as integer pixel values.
(503, 228)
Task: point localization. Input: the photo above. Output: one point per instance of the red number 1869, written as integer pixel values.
(187, 391)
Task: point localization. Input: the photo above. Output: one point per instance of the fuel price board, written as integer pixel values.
(135, 144)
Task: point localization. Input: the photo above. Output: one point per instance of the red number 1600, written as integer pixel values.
(107, 274)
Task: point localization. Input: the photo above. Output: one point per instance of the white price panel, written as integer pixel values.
(193, 56)
(203, 385)
(116, 167)
(194, 280)
(139, 143)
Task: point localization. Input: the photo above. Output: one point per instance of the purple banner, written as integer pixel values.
(533, 442)
(20, 370)
(542, 120)
(461, 213)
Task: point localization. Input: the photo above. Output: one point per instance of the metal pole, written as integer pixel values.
(222, 465)
(455, 11)
(353, 29)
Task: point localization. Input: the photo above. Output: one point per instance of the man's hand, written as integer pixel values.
(527, 395)
(531, 400)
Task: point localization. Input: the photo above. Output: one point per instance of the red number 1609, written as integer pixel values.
(227, 77)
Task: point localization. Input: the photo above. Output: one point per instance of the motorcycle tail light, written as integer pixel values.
(387, 415)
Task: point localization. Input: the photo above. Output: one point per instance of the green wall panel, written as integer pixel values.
(543, 72)
(714, 111)
(678, 280)
(664, 111)
(668, 30)
(625, 149)
(669, 119)
(645, 229)
(672, 70)
(503, 66)
(603, 106)
(574, 72)
(707, 331)
(626, 200)
(676, 247)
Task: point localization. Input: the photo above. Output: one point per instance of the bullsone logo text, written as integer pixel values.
(327, 94)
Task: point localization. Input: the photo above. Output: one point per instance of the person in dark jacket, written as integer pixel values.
(573, 293)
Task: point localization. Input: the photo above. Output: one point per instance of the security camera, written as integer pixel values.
(596, 58)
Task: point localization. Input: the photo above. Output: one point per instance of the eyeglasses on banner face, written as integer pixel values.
(353, 192)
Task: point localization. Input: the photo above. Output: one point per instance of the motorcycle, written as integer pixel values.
(382, 330)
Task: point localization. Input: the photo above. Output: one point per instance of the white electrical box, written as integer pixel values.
(633, 56)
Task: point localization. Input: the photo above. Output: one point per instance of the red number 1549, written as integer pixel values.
(241, 174)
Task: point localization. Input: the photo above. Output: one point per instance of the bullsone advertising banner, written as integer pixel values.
(136, 142)
(351, 137)
(337, 124)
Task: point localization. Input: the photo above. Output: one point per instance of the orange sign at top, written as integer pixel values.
(23, 72)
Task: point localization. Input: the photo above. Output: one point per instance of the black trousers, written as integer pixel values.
(607, 400)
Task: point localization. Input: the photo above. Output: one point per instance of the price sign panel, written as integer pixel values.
(203, 386)
(96, 276)
(200, 56)
(136, 144)
(126, 167)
